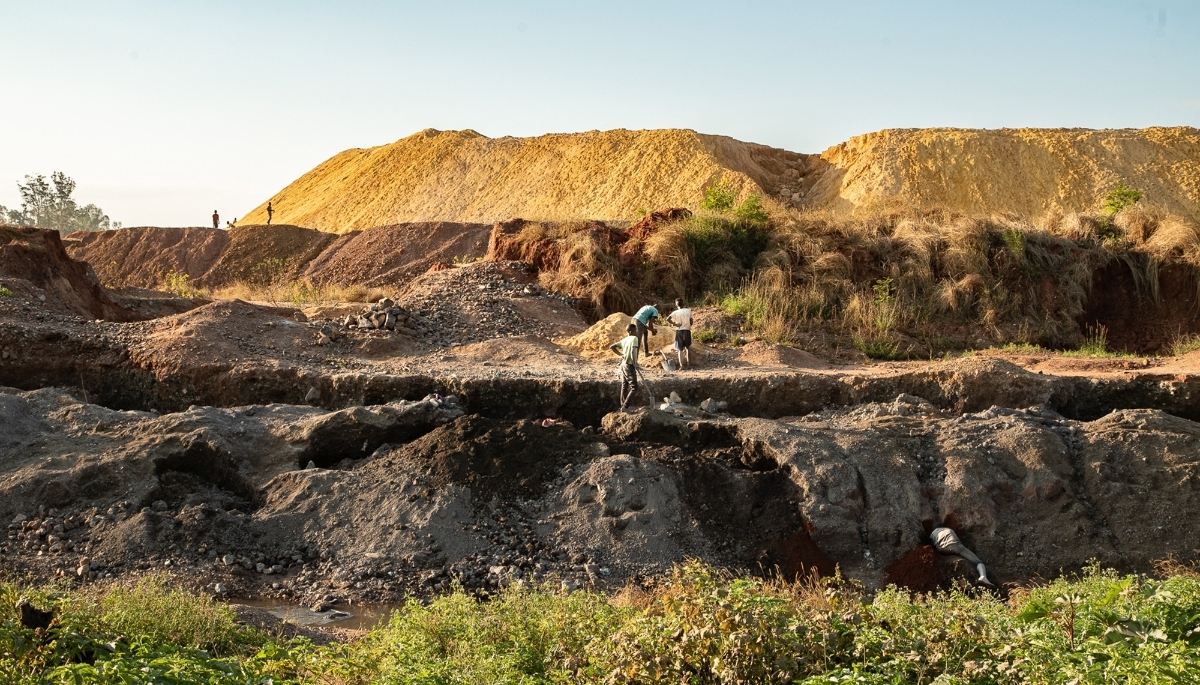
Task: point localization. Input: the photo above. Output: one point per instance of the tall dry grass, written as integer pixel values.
(879, 277)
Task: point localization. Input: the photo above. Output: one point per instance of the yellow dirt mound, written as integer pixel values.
(594, 342)
(462, 176)
(1020, 171)
(468, 177)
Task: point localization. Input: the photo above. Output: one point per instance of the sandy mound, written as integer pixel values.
(35, 265)
(594, 342)
(765, 354)
(140, 257)
(610, 175)
(464, 176)
(1022, 171)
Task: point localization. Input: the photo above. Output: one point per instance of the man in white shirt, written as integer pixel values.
(681, 318)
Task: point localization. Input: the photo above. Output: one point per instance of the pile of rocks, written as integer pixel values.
(384, 315)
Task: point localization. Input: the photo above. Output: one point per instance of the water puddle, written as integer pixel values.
(352, 617)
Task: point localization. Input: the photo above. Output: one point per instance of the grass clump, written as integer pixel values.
(5, 292)
(1183, 344)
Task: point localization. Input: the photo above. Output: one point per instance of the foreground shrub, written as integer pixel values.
(696, 626)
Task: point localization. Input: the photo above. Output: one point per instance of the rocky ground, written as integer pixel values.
(226, 443)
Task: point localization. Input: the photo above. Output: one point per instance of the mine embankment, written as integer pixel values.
(378, 501)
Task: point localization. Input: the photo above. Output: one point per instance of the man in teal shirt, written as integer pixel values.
(627, 348)
(644, 319)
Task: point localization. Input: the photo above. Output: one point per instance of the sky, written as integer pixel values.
(165, 110)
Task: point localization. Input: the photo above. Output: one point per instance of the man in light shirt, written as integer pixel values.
(627, 348)
(681, 319)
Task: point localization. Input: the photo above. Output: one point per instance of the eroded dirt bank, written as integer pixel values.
(370, 503)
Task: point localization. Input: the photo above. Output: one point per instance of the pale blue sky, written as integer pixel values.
(163, 111)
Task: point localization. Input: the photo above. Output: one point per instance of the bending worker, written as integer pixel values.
(627, 348)
(644, 319)
(946, 541)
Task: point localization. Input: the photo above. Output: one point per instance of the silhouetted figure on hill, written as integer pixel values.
(270, 213)
(216, 219)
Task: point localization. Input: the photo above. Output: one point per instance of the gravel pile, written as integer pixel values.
(479, 302)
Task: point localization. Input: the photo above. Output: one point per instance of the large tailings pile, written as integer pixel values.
(611, 175)
(467, 177)
(1020, 171)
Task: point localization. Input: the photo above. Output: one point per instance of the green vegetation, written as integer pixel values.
(5, 292)
(48, 204)
(1119, 198)
(697, 626)
(1184, 344)
(719, 196)
(708, 336)
(178, 283)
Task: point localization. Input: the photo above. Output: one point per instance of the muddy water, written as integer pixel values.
(351, 617)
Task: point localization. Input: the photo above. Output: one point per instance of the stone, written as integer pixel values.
(159, 505)
(714, 406)
(229, 560)
(299, 317)
(311, 464)
(220, 588)
(313, 394)
(365, 323)
(390, 322)
(386, 303)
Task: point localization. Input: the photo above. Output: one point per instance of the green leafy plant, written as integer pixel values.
(1014, 239)
(1119, 198)
(708, 335)
(719, 196)
(178, 283)
(5, 292)
(751, 210)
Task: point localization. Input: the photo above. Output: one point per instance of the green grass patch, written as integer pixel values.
(696, 626)
(708, 336)
(1184, 344)
(5, 292)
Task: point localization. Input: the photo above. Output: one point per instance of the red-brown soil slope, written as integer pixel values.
(34, 264)
(141, 257)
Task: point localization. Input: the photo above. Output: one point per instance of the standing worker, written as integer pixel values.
(216, 219)
(270, 212)
(627, 348)
(644, 319)
(681, 318)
